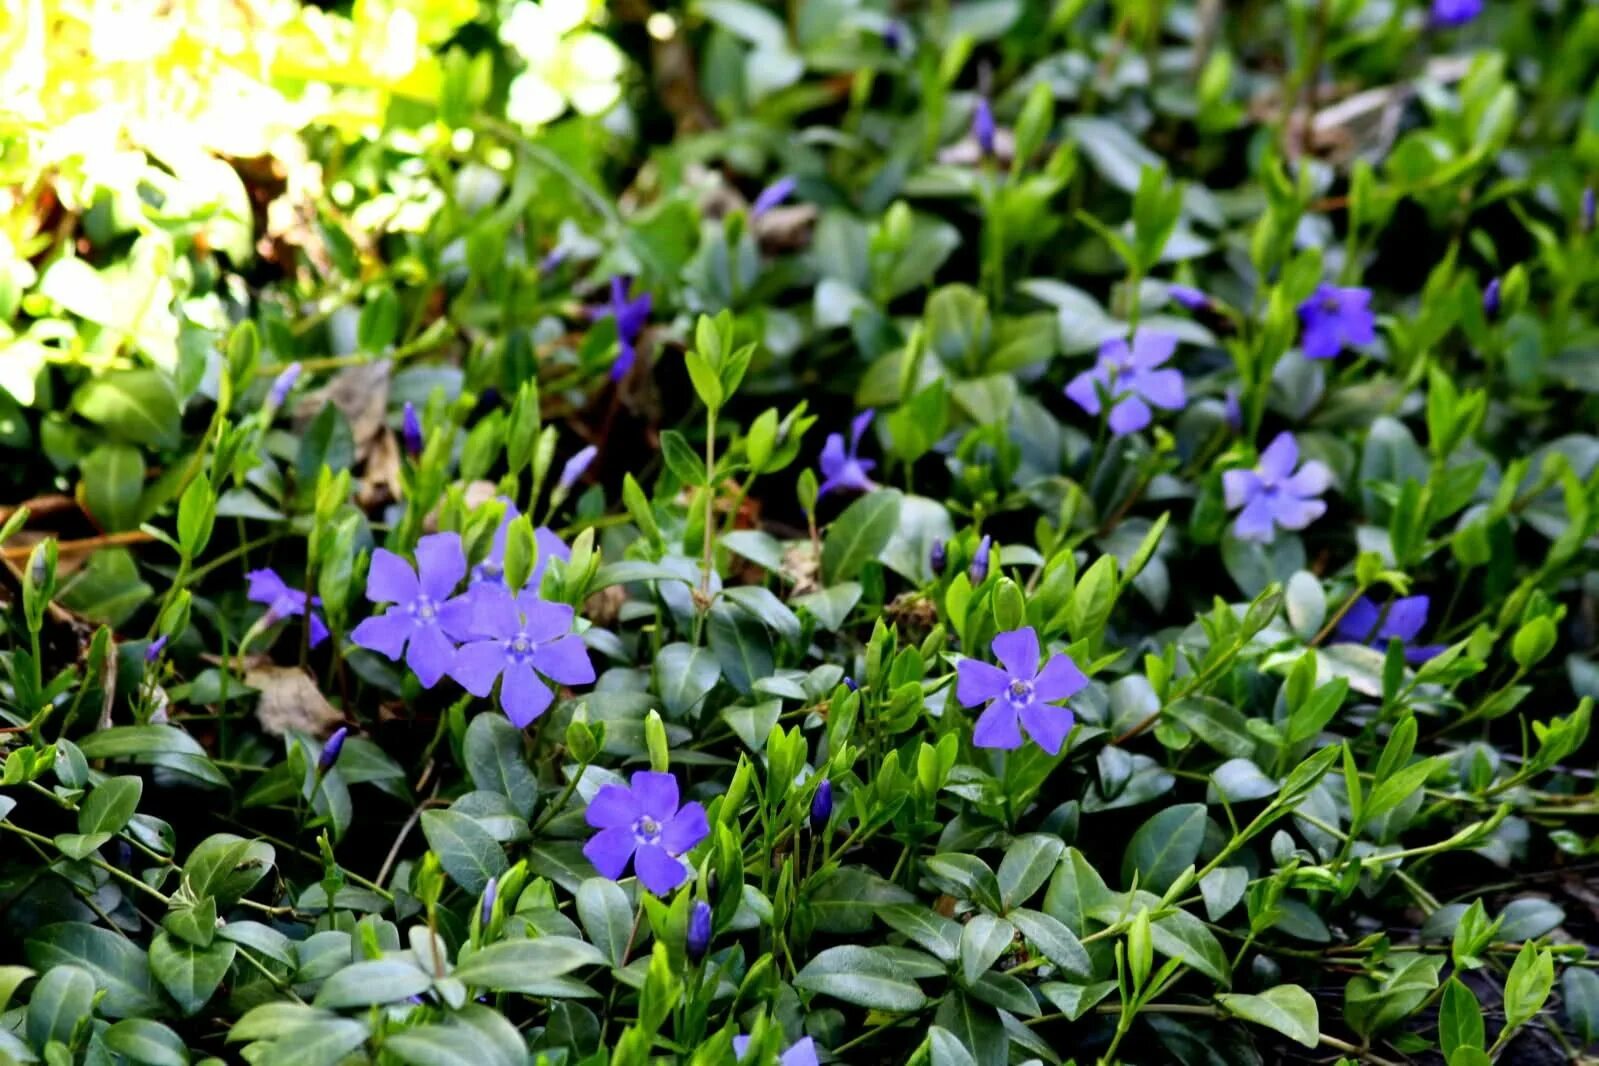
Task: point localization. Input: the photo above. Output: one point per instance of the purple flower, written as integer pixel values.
(574, 469)
(491, 891)
(1448, 14)
(698, 939)
(283, 602)
(282, 384)
(1233, 408)
(516, 635)
(983, 127)
(844, 469)
(937, 557)
(895, 36)
(851, 684)
(548, 546)
(1334, 317)
(1274, 495)
(644, 823)
(411, 430)
(1130, 377)
(1366, 623)
(422, 617)
(977, 573)
(772, 195)
(822, 805)
(1188, 296)
(800, 1053)
(552, 262)
(1019, 695)
(330, 750)
(1491, 299)
(152, 652)
(631, 313)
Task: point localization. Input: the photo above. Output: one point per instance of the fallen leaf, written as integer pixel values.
(290, 700)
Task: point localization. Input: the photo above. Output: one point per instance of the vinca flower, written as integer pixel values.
(574, 469)
(800, 1053)
(518, 638)
(697, 941)
(283, 602)
(644, 823)
(1021, 695)
(773, 195)
(153, 651)
(1491, 298)
(424, 614)
(1366, 623)
(283, 384)
(1275, 495)
(630, 313)
(984, 128)
(977, 573)
(1449, 14)
(491, 892)
(411, 430)
(1131, 377)
(822, 804)
(331, 750)
(546, 544)
(844, 468)
(1335, 318)
(1187, 296)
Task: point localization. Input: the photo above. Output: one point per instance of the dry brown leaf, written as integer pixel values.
(361, 393)
(290, 700)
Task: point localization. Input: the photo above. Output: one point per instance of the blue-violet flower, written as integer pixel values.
(1131, 377)
(1021, 694)
(645, 824)
(424, 618)
(1275, 495)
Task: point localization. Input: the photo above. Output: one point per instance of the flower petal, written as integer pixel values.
(384, 633)
(319, 628)
(997, 727)
(1084, 389)
(1254, 521)
(1130, 415)
(390, 579)
(832, 458)
(656, 794)
(978, 682)
(1047, 725)
(523, 697)
(1294, 512)
(1239, 487)
(565, 660)
(440, 564)
(1359, 622)
(1151, 348)
(544, 620)
(1312, 479)
(460, 616)
(1017, 650)
(801, 1053)
(611, 806)
(429, 655)
(609, 850)
(1277, 461)
(1406, 617)
(1059, 679)
(687, 828)
(1322, 337)
(476, 666)
(658, 871)
(266, 587)
(857, 428)
(1163, 388)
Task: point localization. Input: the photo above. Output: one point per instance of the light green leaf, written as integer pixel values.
(364, 984)
(861, 977)
(1288, 1009)
(859, 535)
(467, 851)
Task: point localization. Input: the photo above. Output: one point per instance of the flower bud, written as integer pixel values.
(698, 939)
(490, 893)
(849, 683)
(983, 127)
(1188, 297)
(330, 750)
(1587, 209)
(1490, 299)
(575, 468)
(979, 569)
(938, 557)
(411, 431)
(282, 384)
(822, 805)
(153, 651)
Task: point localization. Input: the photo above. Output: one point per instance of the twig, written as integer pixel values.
(86, 544)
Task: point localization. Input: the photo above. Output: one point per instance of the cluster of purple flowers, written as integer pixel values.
(486, 634)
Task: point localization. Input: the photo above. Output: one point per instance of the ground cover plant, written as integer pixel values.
(965, 532)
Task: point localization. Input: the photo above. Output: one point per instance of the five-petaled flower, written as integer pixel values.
(1275, 495)
(514, 636)
(283, 602)
(800, 1053)
(630, 313)
(1366, 623)
(1130, 375)
(1334, 318)
(844, 468)
(1451, 13)
(1021, 695)
(645, 824)
(422, 616)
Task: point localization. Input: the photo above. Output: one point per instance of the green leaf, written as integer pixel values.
(859, 535)
(983, 940)
(193, 924)
(113, 486)
(937, 934)
(1459, 1018)
(1027, 865)
(684, 674)
(1164, 847)
(607, 917)
(1288, 1009)
(968, 877)
(144, 1041)
(494, 760)
(468, 853)
(120, 968)
(945, 1049)
(320, 1044)
(62, 997)
(861, 977)
(1076, 1000)
(742, 646)
(159, 745)
(135, 406)
(1058, 943)
(1183, 937)
(1532, 976)
(687, 465)
(190, 974)
(365, 984)
(527, 965)
(1579, 992)
(110, 805)
(227, 867)
(846, 899)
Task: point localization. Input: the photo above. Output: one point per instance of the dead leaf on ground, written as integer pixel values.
(290, 700)
(361, 393)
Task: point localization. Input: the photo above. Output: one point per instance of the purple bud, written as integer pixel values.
(1188, 296)
(1234, 408)
(330, 750)
(849, 683)
(983, 127)
(698, 939)
(153, 652)
(282, 384)
(822, 805)
(979, 570)
(1490, 299)
(894, 36)
(772, 195)
(411, 430)
(552, 262)
(490, 893)
(1587, 209)
(938, 557)
(575, 467)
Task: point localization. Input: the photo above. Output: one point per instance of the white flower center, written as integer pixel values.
(1020, 692)
(647, 830)
(423, 608)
